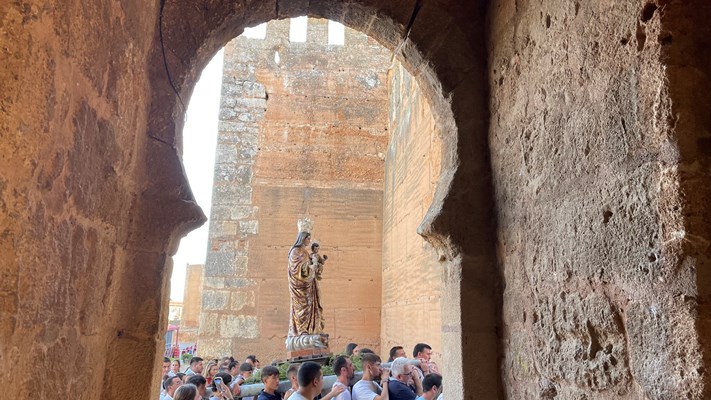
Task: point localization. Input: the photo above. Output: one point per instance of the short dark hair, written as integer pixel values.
(293, 369)
(252, 358)
(232, 364)
(431, 380)
(180, 375)
(338, 364)
(308, 372)
(269, 371)
(195, 360)
(167, 381)
(166, 359)
(370, 358)
(366, 350)
(197, 380)
(314, 245)
(226, 379)
(245, 367)
(393, 351)
(419, 348)
(350, 347)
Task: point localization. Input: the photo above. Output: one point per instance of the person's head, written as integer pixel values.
(395, 352)
(371, 365)
(233, 368)
(302, 240)
(350, 349)
(291, 375)
(364, 350)
(171, 383)
(166, 366)
(211, 369)
(196, 365)
(186, 392)
(182, 376)
(246, 370)
(225, 362)
(226, 379)
(309, 377)
(432, 386)
(175, 366)
(200, 383)
(251, 359)
(343, 367)
(401, 369)
(315, 247)
(270, 378)
(423, 351)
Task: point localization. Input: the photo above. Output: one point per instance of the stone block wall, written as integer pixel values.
(192, 303)
(589, 144)
(411, 270)
(303, 132)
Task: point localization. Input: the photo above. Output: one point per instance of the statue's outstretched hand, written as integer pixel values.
(325, 258)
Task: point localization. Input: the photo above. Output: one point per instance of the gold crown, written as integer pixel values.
(305, 225)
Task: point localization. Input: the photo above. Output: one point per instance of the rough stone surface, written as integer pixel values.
(600, 297)
(411, 269)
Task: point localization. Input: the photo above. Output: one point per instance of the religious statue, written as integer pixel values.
(306, 313)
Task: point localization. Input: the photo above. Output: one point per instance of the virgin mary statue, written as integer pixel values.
(306, 314)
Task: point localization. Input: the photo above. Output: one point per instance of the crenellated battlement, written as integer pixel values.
(306, 30)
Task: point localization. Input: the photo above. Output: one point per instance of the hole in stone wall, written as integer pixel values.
(548, 21)
(606, 215)
(648, 12)
(625, 39)
(664, 38)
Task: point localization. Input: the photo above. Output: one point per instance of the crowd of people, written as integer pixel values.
(405, 379)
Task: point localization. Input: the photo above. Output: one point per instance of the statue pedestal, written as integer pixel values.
(307, 347)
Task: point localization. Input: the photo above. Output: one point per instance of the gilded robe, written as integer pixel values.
(306, 313)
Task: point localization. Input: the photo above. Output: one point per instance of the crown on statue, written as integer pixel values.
(305, 225)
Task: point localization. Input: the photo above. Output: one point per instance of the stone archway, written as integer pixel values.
(451, 74)
(93, 200)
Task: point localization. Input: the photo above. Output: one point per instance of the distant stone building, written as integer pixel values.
(192, 303)
(306, 129)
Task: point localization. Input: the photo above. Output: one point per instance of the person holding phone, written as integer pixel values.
(221, 387)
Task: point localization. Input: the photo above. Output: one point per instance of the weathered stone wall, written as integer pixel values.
(597, 244)
(411, 270)
(192, 303)
(303, 130)
(81, 278)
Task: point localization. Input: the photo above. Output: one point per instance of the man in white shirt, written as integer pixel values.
(366, 388)
(310, 381)
(171, 384)
(343, 367)
(195, 366)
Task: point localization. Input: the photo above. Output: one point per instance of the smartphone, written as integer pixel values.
(218, 383)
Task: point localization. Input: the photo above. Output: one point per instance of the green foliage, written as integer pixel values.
(326, 369)
(357, 362)
(185, 358)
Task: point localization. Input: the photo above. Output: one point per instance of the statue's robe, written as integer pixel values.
(306, 314)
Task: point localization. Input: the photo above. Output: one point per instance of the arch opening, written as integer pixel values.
(451, 78)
